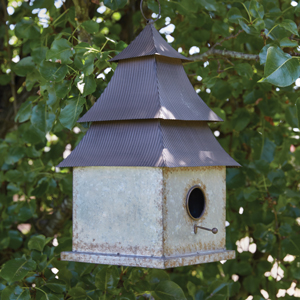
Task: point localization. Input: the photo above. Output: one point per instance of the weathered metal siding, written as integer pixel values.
(136, 216)
(179, 236)
(117, 210)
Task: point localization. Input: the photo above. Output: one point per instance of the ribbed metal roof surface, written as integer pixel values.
(150, 88)
(152, 143)
(149, 42)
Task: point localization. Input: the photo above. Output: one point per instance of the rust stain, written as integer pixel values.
(167, 171)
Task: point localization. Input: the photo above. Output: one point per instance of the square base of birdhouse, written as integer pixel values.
(147, 261)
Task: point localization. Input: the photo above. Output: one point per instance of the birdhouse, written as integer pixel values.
(149, 186)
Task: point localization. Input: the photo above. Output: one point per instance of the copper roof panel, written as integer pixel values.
(151, 143)
(149, 42)
(150, 88)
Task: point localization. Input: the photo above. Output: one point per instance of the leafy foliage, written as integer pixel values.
(64, 67)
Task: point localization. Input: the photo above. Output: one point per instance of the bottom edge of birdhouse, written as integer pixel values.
(163, 262)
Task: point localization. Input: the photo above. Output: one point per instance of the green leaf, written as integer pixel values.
(256, 9)
(259, 25)
(70, 113)
(241, 118)
(244, 69)
(14, 175)
(62, 88)
(41, 188)
(155, 276)
(16, 239)
(89, 85)
(41, 118)
(234, 178)
(107, 278)
(263, 53)
(32, 78)
(291, 245)
(53, 71)
(248, 29)
(169, 290)
(285, 229)
(16, 269)
(91, 26)
(286, 42)
(291, 116)
(39, 54)
(88, 64)
(15, 293)
(24, 66)
(33, 135)
(27, 210)
(260, 231)
(115, 4)
(27, 29)
(77, 292)
(290, 26)
(210, 5)
(14, 155)
(38, 242)
(251, 284)
(56, 286)
(24, 112)
(61, 50)
(268, 151)
(250, 194)
(234, 15)
(281, 69)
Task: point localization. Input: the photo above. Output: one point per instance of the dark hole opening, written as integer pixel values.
(196, 203)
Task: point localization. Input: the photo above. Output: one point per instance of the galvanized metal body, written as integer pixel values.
(137, 216)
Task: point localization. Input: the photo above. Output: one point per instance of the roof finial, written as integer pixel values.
(150, 21)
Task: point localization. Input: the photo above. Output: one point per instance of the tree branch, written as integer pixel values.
(225, 54)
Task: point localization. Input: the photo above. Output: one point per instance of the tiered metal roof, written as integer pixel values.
(149, 114)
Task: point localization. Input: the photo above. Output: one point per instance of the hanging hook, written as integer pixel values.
(150, 20)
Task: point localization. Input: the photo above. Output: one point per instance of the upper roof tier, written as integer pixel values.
(149, 42)
(153, 87)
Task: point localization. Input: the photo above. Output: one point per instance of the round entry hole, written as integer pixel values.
(195, 202)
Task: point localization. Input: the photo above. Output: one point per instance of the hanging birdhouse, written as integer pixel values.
(149, 176)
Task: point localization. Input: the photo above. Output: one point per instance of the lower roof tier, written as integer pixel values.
(152, 87)
(149, 143)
